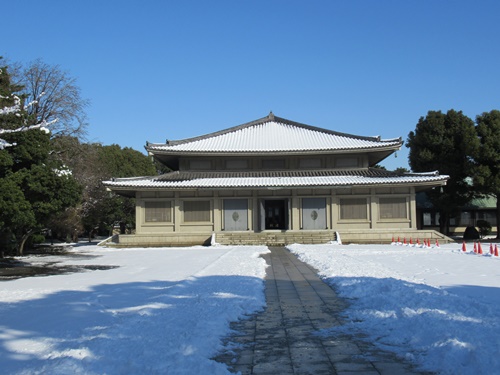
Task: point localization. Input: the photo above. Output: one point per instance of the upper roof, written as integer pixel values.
(273, 134)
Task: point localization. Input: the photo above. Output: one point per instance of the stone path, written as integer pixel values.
(281, 339)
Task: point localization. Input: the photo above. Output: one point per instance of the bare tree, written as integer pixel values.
(55, 95)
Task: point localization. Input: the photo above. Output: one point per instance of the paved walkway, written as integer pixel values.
(281, 339)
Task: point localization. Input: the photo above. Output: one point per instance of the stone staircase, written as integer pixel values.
(324, 237)
(275, 238)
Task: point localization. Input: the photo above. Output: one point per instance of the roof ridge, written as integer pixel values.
(327, 131)
(220, 132)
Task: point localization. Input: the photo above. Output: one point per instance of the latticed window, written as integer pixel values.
(346, 162)
(237, 164)
(200, 164)
(196, 211)
(353, 209)
(310, 163)
(489, 216)
(466, 218)
(273, 164)
(393, 208)
(157, 211)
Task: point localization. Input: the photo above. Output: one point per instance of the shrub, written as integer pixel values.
(484, 227)
(471, 233)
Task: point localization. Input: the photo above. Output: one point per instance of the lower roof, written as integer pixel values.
(275, 179)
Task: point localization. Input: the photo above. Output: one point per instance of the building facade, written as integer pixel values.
(273, 181)
(470, 215)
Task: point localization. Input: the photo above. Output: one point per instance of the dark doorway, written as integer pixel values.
(275, 211)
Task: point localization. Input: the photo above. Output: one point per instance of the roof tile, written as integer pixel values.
(285, 179)
(274, 134)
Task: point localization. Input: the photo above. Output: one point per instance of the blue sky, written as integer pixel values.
(175, 69)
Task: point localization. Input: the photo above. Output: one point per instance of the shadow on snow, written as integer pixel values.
(129, 327)
(430, 326)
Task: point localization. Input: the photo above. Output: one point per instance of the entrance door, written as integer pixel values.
(275, 214)
(314, 213)
(235, 214)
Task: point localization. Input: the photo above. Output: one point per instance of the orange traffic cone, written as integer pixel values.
(479, 248)
(496, 250)
(437, 243)
(418, 242)
(491, 248)
(404, 241)
(399, 242)
(411, 242)
(464, 247)
(475, 247)
(429, 243)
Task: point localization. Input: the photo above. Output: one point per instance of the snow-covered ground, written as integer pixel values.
(438, 307)
(162, 311)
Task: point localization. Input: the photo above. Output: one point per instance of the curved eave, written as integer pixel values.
(375, 154)
(171, 152)
(129, 188)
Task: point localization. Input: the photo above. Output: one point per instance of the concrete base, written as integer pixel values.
(387, 236)
(274, 238)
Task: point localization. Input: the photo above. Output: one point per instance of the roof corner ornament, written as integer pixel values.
(167, 141)
(271, 115)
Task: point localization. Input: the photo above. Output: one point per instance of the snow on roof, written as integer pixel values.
(270, 182)
(274, 134)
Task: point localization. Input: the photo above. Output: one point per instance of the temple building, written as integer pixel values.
(274, 181)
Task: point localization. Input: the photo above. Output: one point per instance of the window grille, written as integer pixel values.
(489, 216)
(157, 211)
(393, 208)
(353, 209)
(310, 163)
(273, 164)
(195, 211)
(236, 164)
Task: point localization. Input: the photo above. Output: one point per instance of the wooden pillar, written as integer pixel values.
(177, 213)
(295, 211)
(413, 209)
(217, 210)
(374, 213)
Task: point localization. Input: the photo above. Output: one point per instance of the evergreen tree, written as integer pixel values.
(445, 142)
(33, 185)
(487, 171)
(111, 208)
(91, 164)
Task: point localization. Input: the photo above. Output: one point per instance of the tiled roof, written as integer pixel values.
(272, 179)
(195, 175)
(274, 134)
(484, 203)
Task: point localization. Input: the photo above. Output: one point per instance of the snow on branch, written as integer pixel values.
(12, 109)
(16, 109)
